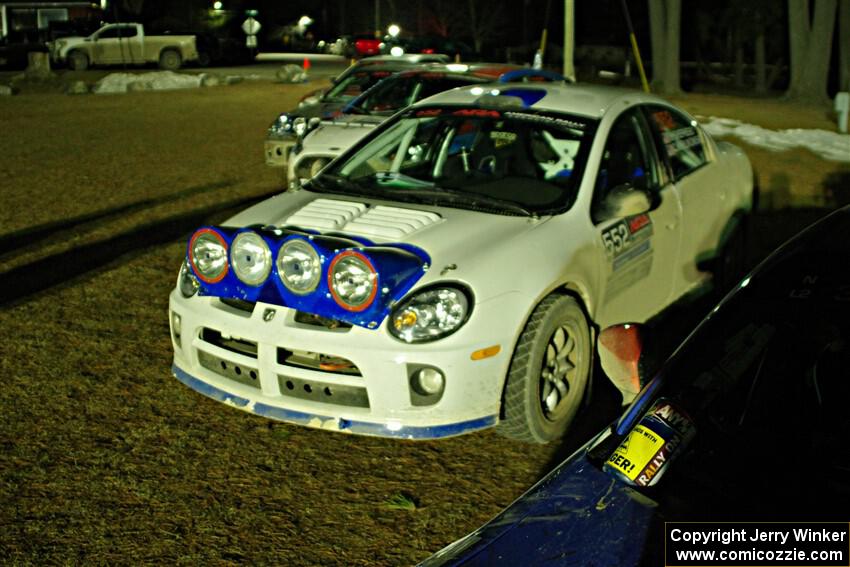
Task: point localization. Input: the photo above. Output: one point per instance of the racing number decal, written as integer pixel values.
(628, 246)
(615, 237)
(627, 239)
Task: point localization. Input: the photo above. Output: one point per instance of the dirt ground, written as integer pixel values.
(107, 459)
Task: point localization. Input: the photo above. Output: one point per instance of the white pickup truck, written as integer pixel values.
(125, 43)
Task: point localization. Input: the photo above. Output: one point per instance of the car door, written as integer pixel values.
(688, 156)
(114, 45)
(640, 252)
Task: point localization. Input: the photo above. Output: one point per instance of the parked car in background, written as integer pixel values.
(290, 126)
(343, 129)
(27, 27)
(116, 44)
(220, 47)
(764, 376)
(446, 273)
(457, 50)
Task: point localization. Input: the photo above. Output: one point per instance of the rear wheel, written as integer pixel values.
(78, 61)
(170, 60)
(204, 59)
(549, 372)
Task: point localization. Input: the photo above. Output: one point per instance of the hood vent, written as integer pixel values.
(381, 222)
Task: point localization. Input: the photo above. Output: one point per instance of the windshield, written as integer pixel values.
(403, 90)
(513, 161)
(354, 85)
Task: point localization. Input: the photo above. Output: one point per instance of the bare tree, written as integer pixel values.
(442, 18)
(665, 29)
(485, 21)
(810, 41)
(752, 22)
(132, 7)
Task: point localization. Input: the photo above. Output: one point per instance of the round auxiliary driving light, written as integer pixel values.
(251, 258)
(208, 255)
(352, 280)
(299, 266)
(299, 126)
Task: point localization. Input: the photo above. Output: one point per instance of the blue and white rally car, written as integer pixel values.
(448, 272)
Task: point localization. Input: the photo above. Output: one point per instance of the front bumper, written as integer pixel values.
(378, 399)
(278, 152)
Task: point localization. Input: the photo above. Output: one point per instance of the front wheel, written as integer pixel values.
(170, 60)
(548, 373)
(78, 61)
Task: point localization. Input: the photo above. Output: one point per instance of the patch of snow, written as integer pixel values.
(829, 145)
(152, 81)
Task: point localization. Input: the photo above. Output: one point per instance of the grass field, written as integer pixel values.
(106, 458)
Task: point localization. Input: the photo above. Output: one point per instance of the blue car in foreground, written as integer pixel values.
(746, 422)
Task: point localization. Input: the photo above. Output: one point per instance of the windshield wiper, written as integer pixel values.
(328, 183)
(473, 199)
(394, 179)
(393, 184)
(351, 109)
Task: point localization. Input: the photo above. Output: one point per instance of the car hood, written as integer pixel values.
(463, 238)
(339, 134)
(577, 515)
(321, 109)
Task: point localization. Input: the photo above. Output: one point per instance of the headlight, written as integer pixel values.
(186, 281)
(208, 255)
(352, 280)
(251, 258)
(299, 266)
(281, 128)
(430, 315)
(299, 126)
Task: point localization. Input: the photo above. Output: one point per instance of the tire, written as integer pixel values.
(549, 372)
(78, 61)
(170, 60)
(204, 59)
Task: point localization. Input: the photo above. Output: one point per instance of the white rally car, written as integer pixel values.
(448, 273)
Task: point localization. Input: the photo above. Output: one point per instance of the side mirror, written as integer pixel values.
(624, 359)
(295, 185)
(625, 201)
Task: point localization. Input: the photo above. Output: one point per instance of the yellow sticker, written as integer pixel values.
(635, 452)
(502, 139)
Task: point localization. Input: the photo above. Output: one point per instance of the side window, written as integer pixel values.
(117, 32)
(680, 140)
(626, 160)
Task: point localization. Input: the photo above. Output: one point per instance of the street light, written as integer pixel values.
(217, 5)
(393, 30)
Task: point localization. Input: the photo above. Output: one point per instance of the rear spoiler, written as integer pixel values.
(519, 75)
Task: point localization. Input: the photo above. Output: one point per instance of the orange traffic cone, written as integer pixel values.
(306, 64)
